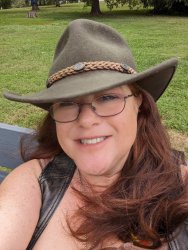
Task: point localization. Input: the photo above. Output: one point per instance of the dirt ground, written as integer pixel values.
(179, 141)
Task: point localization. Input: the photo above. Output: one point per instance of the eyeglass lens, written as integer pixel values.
(105, 105)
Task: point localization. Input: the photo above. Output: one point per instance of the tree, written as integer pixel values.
(5, 4)
(159, 6)
(116, 3)
(49, 2)
(180, 6)
(162, 6)
(57, 3)
(95, 7)
(19, 3)
(34, 5)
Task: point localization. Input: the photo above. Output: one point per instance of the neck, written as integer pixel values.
(97, 183)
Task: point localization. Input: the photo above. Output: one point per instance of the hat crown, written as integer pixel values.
(88, 41)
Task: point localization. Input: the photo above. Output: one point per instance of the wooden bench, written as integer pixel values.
(9, 147)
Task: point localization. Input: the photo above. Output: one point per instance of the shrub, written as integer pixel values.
(19, 3)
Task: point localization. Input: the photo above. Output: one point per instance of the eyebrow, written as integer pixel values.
(94, 95)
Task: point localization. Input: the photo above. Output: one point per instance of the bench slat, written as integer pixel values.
(9, 144)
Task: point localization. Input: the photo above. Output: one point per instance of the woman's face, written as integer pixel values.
(115, 136)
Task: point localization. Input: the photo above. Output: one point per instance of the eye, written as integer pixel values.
(108, 98)
(66, 104)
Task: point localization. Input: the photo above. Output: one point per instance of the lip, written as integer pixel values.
(90, 138)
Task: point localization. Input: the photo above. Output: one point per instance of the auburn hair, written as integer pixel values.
(148, 200)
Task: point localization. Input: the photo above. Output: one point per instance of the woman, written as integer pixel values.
(102, 175)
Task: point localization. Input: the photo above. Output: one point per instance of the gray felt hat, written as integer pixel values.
(91, 57)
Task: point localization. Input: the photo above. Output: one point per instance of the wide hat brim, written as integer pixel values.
(154, 80)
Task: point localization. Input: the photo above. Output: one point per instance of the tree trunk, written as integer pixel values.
(95, 8)
(27, 2)
(57, 3)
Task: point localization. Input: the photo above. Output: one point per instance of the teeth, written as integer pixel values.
(92, 141)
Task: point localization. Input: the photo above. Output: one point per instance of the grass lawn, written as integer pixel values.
(27, 46)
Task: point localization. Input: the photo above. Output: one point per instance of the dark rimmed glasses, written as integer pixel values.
(105, 105)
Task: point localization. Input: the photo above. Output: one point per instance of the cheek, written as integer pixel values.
(128, 130)
(62, 132)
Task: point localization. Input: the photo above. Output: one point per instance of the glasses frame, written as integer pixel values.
(91, 107)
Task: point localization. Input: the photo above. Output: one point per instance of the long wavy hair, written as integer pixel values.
(149, 198)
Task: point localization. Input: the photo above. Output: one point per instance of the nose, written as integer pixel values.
(87, 116)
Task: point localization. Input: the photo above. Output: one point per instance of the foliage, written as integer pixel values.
(49, 2)
(23, 3)
(19, 3)
(116, 3)
(158, 5)
(161, 5)
(5, 4)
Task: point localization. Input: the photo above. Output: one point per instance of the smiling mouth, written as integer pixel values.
(93, 140)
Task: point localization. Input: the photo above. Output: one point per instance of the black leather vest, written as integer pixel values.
(54, 181)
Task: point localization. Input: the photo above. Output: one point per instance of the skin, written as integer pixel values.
(100, 165)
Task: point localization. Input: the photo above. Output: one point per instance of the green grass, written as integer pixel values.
(27, 46)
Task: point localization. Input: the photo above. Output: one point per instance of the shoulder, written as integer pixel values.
(20, 203)
(25, 173)
(22, 179)
(22, 185)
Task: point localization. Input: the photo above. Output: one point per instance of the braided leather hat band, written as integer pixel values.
(89, 66)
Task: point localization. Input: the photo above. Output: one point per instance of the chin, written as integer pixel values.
(95, 166)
